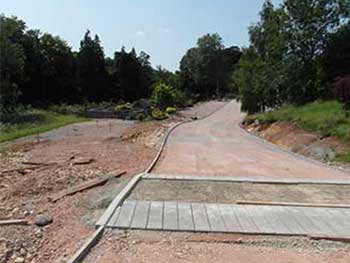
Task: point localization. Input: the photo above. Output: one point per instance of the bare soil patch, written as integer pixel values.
(231, 192)
(152, 246)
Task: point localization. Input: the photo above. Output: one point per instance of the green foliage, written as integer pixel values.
(344, 158)
(26, 122)
(122, 107)
(170, 110)
(206, 69)
(132, 75)
(165, 96)
(283, 63)
(326, 118)
(12, 60)
(159, 114)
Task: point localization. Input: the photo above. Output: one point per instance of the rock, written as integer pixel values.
(320, 152)
(43, 220)
(19, 260)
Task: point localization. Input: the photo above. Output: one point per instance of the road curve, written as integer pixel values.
(218, 146)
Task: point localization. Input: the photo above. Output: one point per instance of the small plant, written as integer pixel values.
(341, 89)
(141, 116)
(170, 110)
(166, 96)
(122, 107)
(159, 115)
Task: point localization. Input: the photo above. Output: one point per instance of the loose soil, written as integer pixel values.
(290, 136)
(112, 145)
(152, 246)
(231, 192)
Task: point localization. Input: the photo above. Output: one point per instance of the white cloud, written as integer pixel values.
(164, 30)
(140, 33)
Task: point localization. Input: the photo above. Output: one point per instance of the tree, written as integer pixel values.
(133, 75)
(341, 89)
(91, 71)
(11, 61)
(336, 55)
(260, 76)
(206, 69)
(309, 23)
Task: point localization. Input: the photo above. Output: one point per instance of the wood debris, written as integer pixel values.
(84, 186)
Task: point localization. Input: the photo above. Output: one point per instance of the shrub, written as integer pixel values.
(122, 107)
(170, 110)
(165, 96)
(341, 89)
(159, 115)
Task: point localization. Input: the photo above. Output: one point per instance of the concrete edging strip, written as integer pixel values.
(103, 221)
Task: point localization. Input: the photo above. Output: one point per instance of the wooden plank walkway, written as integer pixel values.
(224, 218)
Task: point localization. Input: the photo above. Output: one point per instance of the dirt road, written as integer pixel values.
(218, 146)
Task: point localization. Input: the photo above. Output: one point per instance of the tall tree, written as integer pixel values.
(206, 68)
(12, 60)
(91, 71)
(336, 55)
(308, 24)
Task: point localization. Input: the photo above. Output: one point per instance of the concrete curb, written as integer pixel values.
(103, 221)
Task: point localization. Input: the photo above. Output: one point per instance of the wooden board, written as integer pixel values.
(225, 218)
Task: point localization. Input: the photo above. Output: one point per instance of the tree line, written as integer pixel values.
(41, 69)
(296, 52)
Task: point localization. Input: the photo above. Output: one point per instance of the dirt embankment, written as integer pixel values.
(295, 139)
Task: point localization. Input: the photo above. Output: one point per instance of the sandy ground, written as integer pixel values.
(218, 146)
(230, 193)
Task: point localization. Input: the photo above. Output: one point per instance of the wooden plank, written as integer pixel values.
(288, 219)
(126, 214)
(200, 217)
(171, 221)
(340, 218)
(319, 217)
(304, 221)
(118, 200)
(274, 215)
(84, 186)
(259, 217)
(155, 216)
(246, 202)
(215, 219)
(140, 215)
(13, 222)
(229, 217)
(245, 220)
(185, 217)
(113, 221)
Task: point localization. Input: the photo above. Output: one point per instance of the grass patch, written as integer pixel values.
(32, 122)
(343, 158)
(327, 118)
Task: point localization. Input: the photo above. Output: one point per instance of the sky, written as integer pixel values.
(164, 29)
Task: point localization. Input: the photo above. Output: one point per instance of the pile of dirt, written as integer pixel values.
(295, 139)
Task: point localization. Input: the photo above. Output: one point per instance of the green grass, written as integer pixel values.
(343, 158)
(33, 122)
(326, 118)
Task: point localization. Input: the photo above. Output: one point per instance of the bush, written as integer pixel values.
(341, 89)
(165, 96)
(122, 107)
(159, 115)
(170, 110)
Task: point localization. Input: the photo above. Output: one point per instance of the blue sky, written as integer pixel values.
(165, 29)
